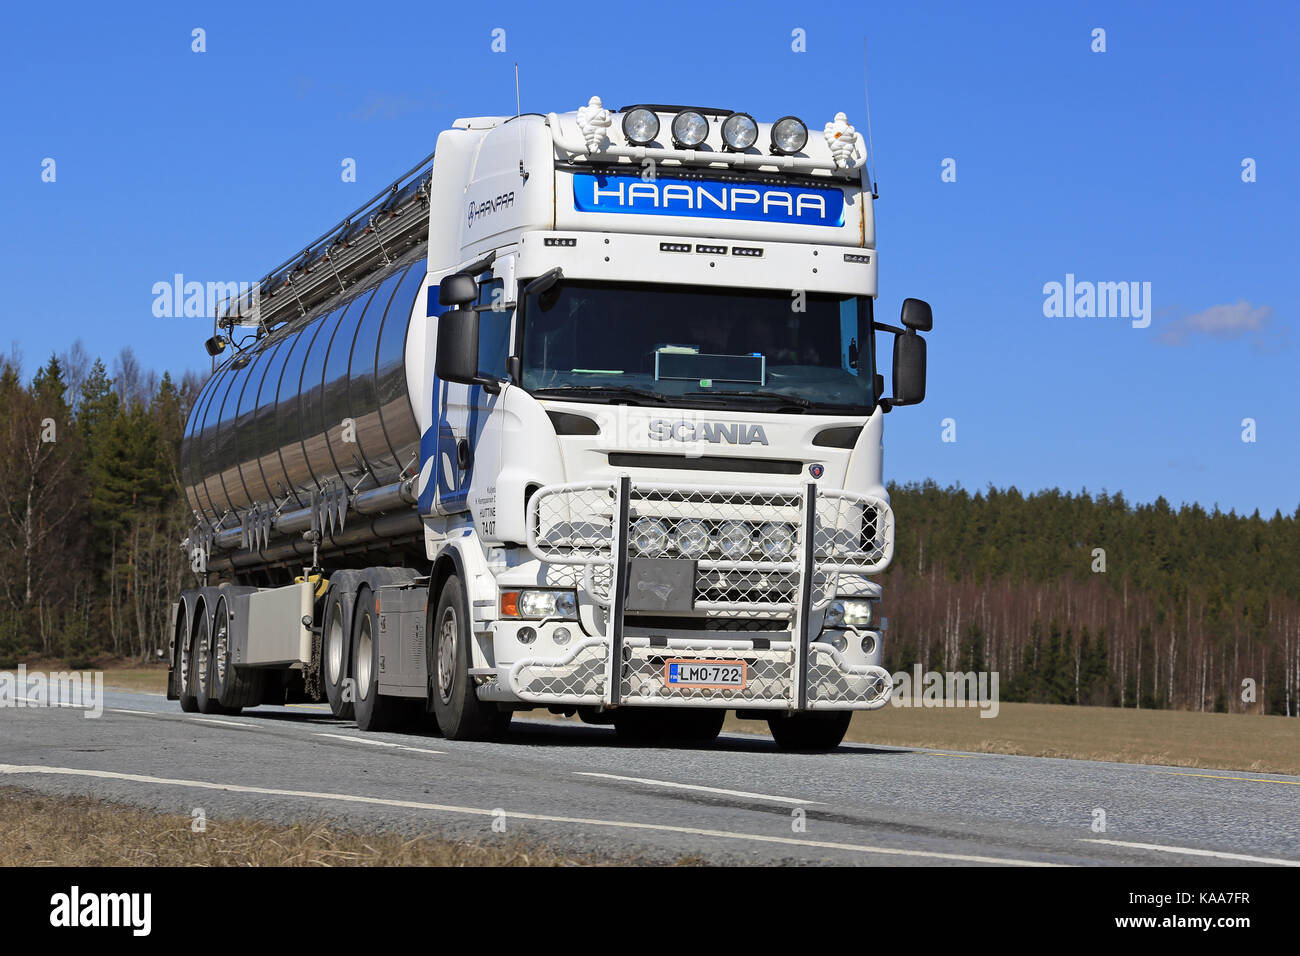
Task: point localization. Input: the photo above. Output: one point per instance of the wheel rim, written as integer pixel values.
(183, 678)
(220, 642)
(201, 678)
(447, 655)
(334, 658)
(364, 650)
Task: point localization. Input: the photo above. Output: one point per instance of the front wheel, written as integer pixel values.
(460, 714)
(810, 732)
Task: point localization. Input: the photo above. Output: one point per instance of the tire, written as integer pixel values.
(652, 725)
(184, 666)
(374, 711)
(810, 732)
(336, 657)
(460, 714)
(234, 688)
(201, 666)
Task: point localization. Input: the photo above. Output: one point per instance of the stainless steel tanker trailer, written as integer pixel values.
(532, 428)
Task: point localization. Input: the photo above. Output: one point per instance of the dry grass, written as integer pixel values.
(41, 830)
(1172, 737)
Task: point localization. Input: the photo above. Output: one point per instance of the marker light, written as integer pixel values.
(739, 131)
(640, 126)
(789, 135)
(689, 129)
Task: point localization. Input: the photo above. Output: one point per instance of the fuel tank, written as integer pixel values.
(321, 400)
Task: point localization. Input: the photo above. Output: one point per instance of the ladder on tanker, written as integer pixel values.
(373, 236)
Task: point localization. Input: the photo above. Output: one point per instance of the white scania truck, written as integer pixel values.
(582, 413)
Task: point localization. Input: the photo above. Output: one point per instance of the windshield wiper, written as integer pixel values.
(629, 391)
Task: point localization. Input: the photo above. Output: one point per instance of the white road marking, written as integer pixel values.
(54, 703)
(13, 769)
(1188, 851)
(692, 786)
(138, 713)
(222, 723)
(378, 743)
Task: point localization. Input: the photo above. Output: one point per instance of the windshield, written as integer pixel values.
(687, 345)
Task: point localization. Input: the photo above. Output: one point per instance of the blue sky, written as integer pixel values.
(1115, 166)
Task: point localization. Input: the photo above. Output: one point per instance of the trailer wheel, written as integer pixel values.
(201, 666)
(335, 657)
(646, 725)
(374, 711)
(183, 664)
(460, 714)
(810, 732)
(233, 687)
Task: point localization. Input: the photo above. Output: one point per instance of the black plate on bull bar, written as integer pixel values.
(661, 584)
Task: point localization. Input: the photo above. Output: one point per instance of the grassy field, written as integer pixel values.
(40, 830)
(1177, 738)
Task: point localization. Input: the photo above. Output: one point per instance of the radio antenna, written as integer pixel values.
(871, 147)
(519, 112)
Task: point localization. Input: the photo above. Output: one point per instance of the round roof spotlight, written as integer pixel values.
(739, 132)
(640, 126)
(690, 129)
(789, 135)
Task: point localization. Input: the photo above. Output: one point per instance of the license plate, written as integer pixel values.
(697, 673)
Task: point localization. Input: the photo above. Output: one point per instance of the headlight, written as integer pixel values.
(650, 535)
(692, 538)
(690, 129)
(735, 538)
(776, 539)
(848, 612)
(536, 604)
(640, 126)
(789, 135)
(739, 131)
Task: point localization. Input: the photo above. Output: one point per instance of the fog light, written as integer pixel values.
(869, 644)
(640, 126)
(739, 131)
(526, 635)
(650, 535)
(789, 135)
(561, 636)
(689, 129)
(776, 539)
(692, 538)
(838, 641)
(735, 539)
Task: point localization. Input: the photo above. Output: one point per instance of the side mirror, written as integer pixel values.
(461, 289)
(909, 367)
(917, 315)
(457, 356)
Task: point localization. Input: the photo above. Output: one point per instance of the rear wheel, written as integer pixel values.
(234, 688)
(374, 711)
(810, 732)
(201, 666)
(461, 715)
(336, 654)
(184, 665)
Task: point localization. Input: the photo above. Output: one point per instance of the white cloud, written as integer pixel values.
(1218, 321)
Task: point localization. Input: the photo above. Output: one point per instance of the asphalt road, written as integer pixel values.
(576, 788)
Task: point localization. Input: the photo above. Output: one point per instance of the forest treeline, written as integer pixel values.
(1075, 599)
